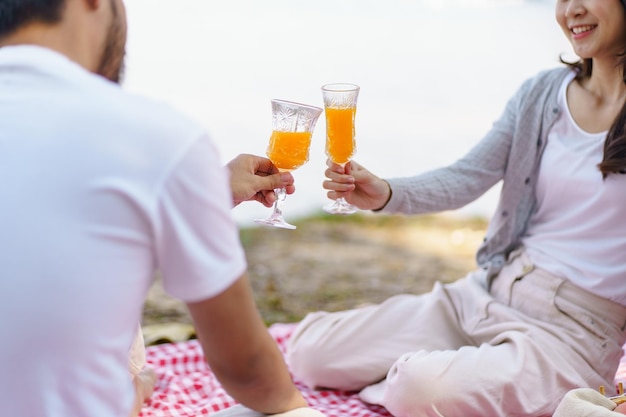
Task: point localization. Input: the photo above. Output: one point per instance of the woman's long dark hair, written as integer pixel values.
(614, 158)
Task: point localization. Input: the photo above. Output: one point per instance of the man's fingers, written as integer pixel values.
(265, 167)
(278, 180)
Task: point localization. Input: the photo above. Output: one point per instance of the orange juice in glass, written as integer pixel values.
(340, 143)
(340, 109)
(288, 149)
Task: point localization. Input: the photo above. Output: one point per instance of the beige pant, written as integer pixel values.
(462, 350)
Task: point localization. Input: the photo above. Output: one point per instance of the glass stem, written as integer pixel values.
(281, 194)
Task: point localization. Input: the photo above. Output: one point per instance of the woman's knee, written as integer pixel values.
(424, 384)
(305, 351)
(319, 355)
(411, 389)
(303, 363)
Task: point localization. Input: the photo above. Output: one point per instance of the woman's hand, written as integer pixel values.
(357, 185)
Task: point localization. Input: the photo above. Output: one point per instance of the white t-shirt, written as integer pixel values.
(579, 228)
(100, 189)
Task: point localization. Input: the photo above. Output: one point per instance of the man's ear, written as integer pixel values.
(93, 4)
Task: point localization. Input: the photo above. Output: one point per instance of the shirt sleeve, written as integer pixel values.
(199, 253)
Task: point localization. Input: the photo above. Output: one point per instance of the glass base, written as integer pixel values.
(276, 221)
(276, 218)
(340, 206)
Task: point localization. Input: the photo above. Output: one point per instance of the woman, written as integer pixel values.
(545, 312)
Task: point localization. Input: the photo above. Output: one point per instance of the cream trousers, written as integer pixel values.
(464, 350)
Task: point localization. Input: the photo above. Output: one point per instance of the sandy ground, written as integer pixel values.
(336, 262)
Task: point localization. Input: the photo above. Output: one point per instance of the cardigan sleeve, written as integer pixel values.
(465, 180)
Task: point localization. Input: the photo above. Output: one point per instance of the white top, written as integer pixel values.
(579, 229)
(100, 189)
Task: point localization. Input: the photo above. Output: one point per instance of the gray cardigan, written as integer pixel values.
(510, 152)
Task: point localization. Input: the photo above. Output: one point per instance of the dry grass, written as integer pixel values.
(338, 262)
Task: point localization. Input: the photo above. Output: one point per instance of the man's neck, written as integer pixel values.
(56, 37)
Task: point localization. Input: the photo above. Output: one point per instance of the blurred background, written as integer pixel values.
(434, 74)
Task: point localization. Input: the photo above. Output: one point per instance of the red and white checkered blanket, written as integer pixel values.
(186, 387)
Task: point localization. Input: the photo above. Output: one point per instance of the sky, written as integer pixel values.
(434, 74)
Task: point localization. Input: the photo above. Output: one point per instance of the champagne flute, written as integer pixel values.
(340, 109)
(288, 149)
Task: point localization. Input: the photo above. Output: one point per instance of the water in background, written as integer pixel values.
(434, 74)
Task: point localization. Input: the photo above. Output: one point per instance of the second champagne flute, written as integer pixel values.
(340, 109)
(292, 128)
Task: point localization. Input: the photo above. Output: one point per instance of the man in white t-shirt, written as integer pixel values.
(100, 189)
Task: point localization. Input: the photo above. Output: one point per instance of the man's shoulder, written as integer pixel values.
(139, 109)
(92, 96)
(113, 107)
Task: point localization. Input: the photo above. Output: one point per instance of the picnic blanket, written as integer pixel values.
(186, 387)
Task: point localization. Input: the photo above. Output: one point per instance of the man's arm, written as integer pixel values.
(241, 352)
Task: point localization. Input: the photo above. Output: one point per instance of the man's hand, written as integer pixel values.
(255, 178)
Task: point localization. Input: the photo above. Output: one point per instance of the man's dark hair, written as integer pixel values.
(17, 13)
